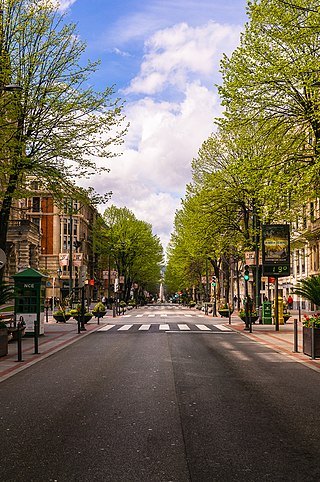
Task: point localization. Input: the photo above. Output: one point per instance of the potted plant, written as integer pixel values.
(307, 334)
(99, 310)
(122, 306)
(192, 304)
(224, 310)
(251, 313)
(76, 314)
(286, 317)
(61, 316)
(309, 288)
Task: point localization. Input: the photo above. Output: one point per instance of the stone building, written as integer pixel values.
(41, 233)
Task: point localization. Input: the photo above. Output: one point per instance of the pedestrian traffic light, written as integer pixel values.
(246, 274)
(213, 284)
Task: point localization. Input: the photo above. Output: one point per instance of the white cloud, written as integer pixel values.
(180, 53)
(170, 117)
(65, 4)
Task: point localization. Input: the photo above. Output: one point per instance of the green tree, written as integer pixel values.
(133, 250)
(268, 82)
(57, 124)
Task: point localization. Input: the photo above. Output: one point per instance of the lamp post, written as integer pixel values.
(13, 178)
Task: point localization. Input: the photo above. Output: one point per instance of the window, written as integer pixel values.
(303, 261)
(36, 205)
(36, 221)
(34, 185)
(312, 212)
(298, 262)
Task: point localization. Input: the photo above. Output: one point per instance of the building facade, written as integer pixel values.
(42, 233)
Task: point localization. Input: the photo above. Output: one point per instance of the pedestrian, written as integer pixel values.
(290, 302)
(104, 300)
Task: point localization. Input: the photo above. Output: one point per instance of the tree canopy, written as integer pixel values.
(134, 251)
(56, 125)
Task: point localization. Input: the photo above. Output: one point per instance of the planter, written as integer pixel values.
(87, 318)
(61, 318)
(253, 318)
(286, 317)
(3, 341)
(225, 313)
(99, 314)
(307, 341)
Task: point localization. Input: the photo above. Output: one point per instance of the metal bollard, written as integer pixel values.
(113, 311)
(36, 336)
(313, 341)
(295, 335)
(19, 341)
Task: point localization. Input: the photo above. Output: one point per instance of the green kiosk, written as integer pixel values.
(29, 301)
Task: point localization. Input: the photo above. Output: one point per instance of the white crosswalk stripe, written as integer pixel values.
(222, 327)
(151, 316)
(125, 327)
(164, 327)
(144, 327)
(203, 327)
(106, 328)
(184, 327)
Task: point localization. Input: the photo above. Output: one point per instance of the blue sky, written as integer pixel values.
(163, 58)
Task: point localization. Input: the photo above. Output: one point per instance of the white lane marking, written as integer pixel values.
(163, 315)
(139, 316)
(106, 328)
(203, 328)
(151, 316)
(222, 327)
(183, 327)
(144, 327)
(189, 316)
(125, 327)
(126, 316)
(164, 327)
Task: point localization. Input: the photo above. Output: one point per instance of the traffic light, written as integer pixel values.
(246, 274)
(213, 284)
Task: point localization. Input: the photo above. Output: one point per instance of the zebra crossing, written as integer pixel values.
(165, 328)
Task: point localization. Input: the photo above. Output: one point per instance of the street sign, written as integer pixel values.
(3, 258)
(250, 258)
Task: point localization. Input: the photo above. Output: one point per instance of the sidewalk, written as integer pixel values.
(281, 341)
(56, 337)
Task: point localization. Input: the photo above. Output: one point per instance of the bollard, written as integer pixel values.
(313, 341)
(19, 341)
(295, 326)
(113, 311)
(36, 336)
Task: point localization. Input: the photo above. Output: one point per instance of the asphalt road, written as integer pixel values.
(153, 406)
